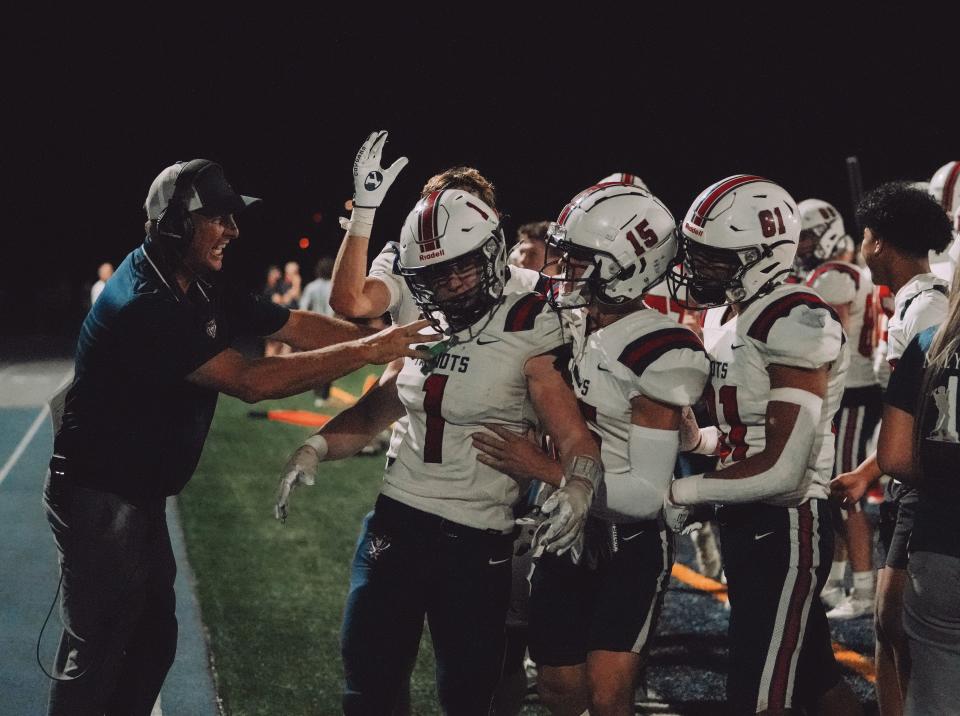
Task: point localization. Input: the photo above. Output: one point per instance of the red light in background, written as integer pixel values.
(317, 217)
(304, 243)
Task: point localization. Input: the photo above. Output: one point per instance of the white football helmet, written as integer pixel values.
(822, 235)
(625, 178)
(452, 256)
(738, 240)
(945, 187)
(622, 237)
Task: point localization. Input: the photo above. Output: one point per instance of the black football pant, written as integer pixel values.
(117, 600)
(410, 564)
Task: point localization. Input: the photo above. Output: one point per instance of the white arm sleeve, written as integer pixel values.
(382, 270)
(783, 477)
(640, 492)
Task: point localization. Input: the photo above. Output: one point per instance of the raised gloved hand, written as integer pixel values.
(301, 469)
(370, 180)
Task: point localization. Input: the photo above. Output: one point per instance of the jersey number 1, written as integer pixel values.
(433, 386)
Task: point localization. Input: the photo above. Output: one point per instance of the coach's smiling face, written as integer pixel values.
(210, 237)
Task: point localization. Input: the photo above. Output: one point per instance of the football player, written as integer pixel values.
(776, 381)
(901, 226)
(825, 258)
(439, 541)
(633, 370)
(945, 188)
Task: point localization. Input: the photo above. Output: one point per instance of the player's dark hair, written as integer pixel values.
(907, 217)
(535, 230)
(466, 179)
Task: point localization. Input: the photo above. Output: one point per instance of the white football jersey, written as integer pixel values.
(919, 304)
(790, 326)
(659, 299)
(839, 283)
(403, 309)
(481, 381)
(644, 353)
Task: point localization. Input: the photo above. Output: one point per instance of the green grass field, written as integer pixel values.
(272, 595)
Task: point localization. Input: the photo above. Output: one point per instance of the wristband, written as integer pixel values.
(319, 444)
(708, 441)
(360, 223)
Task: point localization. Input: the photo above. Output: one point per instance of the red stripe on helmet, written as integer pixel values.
(428, 222)
(707, 205)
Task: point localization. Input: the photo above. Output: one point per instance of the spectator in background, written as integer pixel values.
(103, 275)
(270, 288)
(316, 294)
(290, 286)
(316, 299)
(919, 444)
(530, 249)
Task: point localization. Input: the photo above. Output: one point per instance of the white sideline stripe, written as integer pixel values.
(24, 442)
(157, 711)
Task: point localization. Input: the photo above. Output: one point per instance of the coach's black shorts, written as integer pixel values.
(776, 560)
(608, 602)
(895, 528)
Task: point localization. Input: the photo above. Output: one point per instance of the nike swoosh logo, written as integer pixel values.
(498, 561)
(484, 343)
(765, 534)
(605, 370)
(636, 534)
(739, 345)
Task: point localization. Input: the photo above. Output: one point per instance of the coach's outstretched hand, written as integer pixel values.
(370, 180)
(395, 342)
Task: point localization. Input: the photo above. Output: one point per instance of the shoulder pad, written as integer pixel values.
(837, 283)
(799, 329)
(939, 288)
(782, 308)
(640, 353)
(523, 314)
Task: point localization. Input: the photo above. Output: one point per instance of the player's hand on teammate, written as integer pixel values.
(516, 455)
(395, 342)
(301, 469)
(850, 487)
(370, 180)
(677, 516)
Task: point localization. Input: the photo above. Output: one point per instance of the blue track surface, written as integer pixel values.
(28, 581)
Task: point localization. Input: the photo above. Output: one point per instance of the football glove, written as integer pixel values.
(566, 511)
(677, 517)
(301, 469)
(370, 180)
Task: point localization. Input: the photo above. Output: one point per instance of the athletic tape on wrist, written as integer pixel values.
(360, 223)
(709, 439)
(318, 443)
(586, 469)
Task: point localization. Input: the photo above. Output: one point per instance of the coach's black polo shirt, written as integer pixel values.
(133, 425)
(935, 525)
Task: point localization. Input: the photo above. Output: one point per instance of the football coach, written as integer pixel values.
(152, 357)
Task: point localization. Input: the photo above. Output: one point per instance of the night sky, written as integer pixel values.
(543, 104)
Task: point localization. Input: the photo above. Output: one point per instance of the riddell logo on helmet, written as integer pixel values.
(695, 230)
(432, 255)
